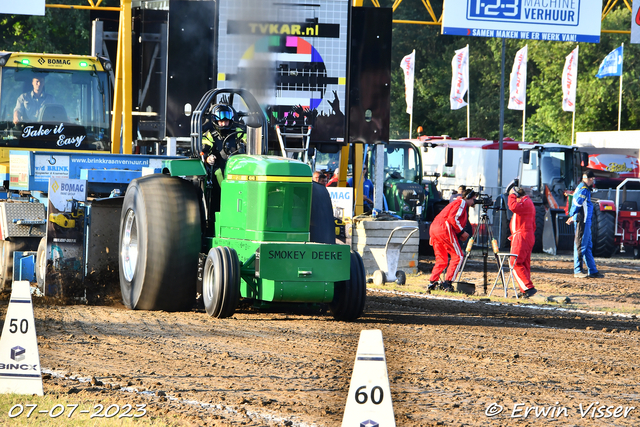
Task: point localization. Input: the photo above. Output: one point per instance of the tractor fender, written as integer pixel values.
(606, 205)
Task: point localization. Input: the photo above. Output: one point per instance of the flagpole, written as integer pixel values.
(410, 122)
(468, 102)
(468, 130)
(524, 109)
(524, 114)
(573, 124)
(620, 95)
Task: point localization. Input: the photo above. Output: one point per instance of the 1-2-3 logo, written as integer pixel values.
(494, 9)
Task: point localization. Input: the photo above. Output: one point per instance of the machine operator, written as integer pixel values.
(221, 139)
(30, 103)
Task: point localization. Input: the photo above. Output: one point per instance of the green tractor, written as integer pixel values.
(253, 232)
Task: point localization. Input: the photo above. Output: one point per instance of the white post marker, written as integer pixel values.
(369, 401)
(19, 357)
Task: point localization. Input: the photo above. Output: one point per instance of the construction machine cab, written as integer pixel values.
(74, 108)
(548, 171)
(403, 187)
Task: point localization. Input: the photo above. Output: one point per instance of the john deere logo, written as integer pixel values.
(17, 353)
(55, 186)
(41, 61)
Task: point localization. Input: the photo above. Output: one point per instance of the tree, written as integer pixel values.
(597, 99)
(58, 31)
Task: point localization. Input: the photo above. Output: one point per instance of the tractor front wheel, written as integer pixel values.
(159, 244)
(349, 296)
(221, 282)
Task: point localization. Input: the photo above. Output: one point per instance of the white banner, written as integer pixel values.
(459, 78)
(570, 81)
(518, 82)
(22, 7)
(408, 66)
(551, 20)
(635, 22)
(342, 201)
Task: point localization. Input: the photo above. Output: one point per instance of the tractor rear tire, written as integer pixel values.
(8, 248)
(221, 282)
(321, 226)
(540, 213)
(41, 263)
(160, 240)
(349, 296)
(603, 230)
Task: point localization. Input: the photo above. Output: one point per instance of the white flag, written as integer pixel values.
(518, 82)
(570, 81)
(460, 78)
(408, 66)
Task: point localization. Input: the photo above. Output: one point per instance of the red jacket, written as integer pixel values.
(333, 182)
(454, 214)
(524, 218)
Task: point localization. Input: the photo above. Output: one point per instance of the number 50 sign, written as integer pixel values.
(19, 357)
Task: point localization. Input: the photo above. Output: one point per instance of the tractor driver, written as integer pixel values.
(222, 140)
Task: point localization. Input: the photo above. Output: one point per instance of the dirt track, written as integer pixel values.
(448, 359)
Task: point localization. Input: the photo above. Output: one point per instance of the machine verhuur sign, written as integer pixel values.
(552, 20)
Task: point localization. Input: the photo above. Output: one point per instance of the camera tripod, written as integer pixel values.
(485, 237)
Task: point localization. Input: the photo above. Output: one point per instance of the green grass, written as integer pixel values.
(11, 404)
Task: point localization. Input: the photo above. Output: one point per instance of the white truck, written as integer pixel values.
(472, 162)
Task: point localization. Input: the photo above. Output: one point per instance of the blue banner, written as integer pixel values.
(611, 65)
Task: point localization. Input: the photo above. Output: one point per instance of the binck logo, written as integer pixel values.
(18, 353)
(22, 367)
(41, 61)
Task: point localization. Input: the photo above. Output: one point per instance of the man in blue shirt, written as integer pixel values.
(580, 214)
(367, 190)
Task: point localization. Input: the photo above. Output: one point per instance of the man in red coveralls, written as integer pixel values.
(444, 232)
(523, 227)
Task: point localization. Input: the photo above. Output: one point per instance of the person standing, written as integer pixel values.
(319, 177)
(367, 189)
(580, 214)
(443, 234)
(523, 227)
(333, 182)
(455, 194)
